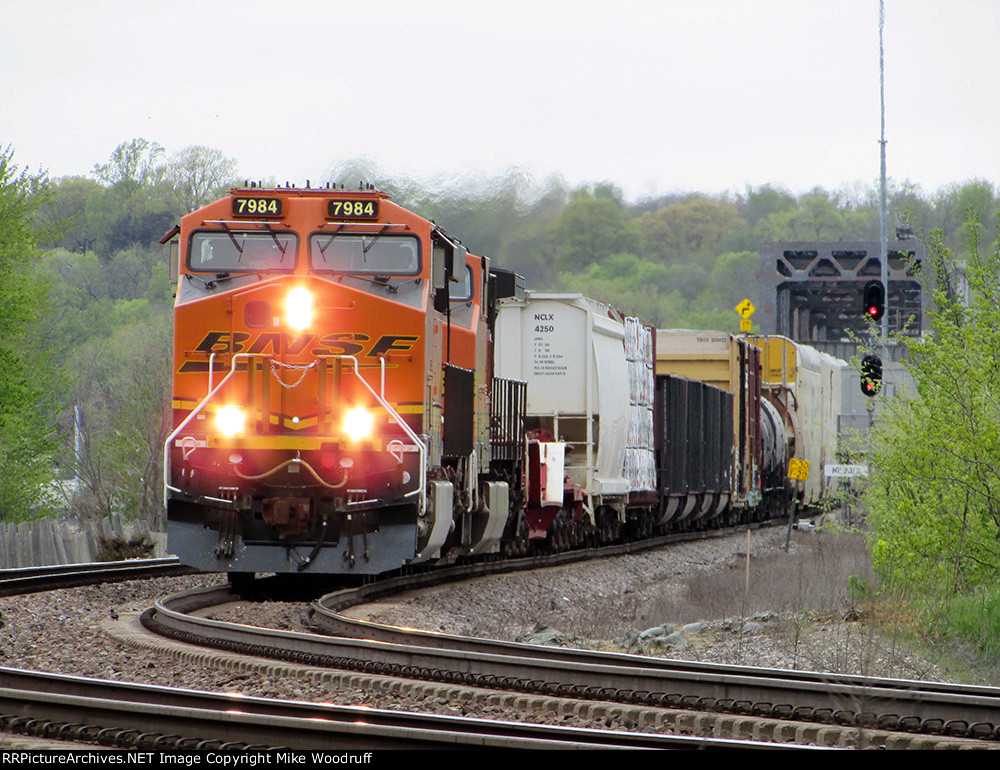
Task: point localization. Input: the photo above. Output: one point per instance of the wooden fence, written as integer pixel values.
(54, 541)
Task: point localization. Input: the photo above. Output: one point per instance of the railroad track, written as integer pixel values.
(26, 580)
(149, 718)
(112, 714)
(850, 703)
(747, 697)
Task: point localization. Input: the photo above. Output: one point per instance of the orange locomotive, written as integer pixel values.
(331, 389)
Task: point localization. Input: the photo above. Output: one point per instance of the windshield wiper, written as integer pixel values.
(232, 237)
(209, 283)
(325, 246)
(277, 243)
(365, 246)
(366, 249)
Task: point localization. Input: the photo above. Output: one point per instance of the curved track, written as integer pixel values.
(146, 717)
(850, 701)
(120, 715)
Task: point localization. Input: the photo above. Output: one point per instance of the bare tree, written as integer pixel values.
(199, 175)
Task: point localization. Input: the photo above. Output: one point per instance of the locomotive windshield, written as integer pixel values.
(370, 254)
(235, 252)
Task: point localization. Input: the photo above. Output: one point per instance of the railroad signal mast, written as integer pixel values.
(875, 291)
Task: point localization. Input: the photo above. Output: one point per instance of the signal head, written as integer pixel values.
(871, 376)
(874, 300)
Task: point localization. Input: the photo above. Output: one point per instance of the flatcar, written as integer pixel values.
(354, 393)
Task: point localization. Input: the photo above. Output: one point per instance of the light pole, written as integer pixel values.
(883, 235)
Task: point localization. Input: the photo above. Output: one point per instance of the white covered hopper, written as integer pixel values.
(590, 384)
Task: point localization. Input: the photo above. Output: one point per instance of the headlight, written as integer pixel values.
(230, 421)
(358, 423)
(299, 308)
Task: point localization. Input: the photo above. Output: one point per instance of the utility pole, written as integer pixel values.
(882, 217)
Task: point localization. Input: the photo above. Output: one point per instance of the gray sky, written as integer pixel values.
(653, 95)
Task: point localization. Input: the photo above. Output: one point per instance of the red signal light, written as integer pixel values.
(871, 376)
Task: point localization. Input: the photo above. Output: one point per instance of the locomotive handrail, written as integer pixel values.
(393, 414)
(397, 418)
(184, 423)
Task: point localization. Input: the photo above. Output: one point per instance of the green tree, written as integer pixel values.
(591, 228)
(689, 231)
(820, 216)
(934, 488)
(64, 214)
(123, 392)
(735, 277)
(909, 207)
(26, 432)
(132, 164)
(952, 204)
(527, 246)
(760, 203)
(137, 204)
(629, 283)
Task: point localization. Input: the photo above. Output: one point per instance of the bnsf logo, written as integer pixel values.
(337, 344)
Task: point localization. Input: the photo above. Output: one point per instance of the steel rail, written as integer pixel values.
(26, 580)
(150, 717)
(326, 613)
(856, 701)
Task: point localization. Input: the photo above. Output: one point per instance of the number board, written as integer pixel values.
(352, 209)
(256, 207)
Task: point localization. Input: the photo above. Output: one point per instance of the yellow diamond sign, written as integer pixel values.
(745, 308)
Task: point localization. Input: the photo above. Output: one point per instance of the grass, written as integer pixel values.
(813, 576)
(973, 619)
(820, 603)
(827, 579)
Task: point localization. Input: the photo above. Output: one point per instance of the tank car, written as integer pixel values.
(809, 390)
(331, 389)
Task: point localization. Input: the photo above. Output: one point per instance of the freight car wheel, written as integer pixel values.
(557, 542)
(608, 524)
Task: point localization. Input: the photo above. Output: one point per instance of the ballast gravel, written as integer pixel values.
(724, 600)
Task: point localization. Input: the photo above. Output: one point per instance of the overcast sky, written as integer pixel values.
(653, 95)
